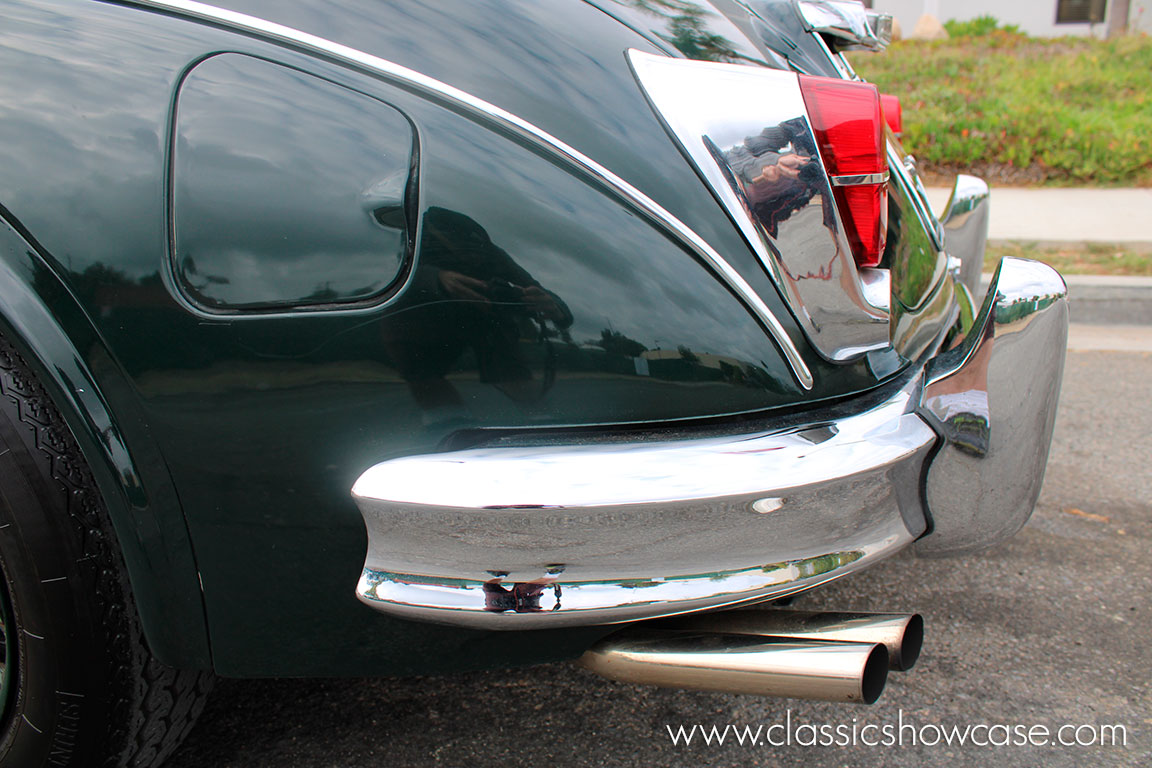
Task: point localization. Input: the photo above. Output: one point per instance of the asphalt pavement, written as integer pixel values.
(1049, 629)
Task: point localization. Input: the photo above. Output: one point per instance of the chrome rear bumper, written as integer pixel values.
(531, 537)
(545, 536)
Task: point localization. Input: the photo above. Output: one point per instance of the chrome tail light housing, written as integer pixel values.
(747, 130)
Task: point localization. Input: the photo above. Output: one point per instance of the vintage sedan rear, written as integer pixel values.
(351, 339)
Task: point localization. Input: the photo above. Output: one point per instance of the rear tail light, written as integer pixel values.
(846, 119)
(892, 115)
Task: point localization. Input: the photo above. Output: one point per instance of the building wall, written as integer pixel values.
(1036, 17)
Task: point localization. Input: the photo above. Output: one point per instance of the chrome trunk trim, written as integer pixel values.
(479, 108)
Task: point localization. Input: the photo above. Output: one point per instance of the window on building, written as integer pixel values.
(1080, 11)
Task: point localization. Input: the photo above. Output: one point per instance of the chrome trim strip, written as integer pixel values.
(641, 202)
(542, 536)
(859, 179)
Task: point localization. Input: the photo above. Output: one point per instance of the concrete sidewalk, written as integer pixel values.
(1105, 303)
(1065, 215)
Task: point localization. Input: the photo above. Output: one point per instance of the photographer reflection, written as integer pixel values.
(777, 173)
(469, 296)
(519, 597)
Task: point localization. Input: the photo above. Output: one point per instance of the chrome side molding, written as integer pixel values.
(747, 132)
(965, 223)
(993, 399)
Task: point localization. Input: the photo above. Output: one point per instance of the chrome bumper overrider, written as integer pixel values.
(993, 400)
(556, 535)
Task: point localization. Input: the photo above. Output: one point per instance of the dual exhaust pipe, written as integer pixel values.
(842, 657)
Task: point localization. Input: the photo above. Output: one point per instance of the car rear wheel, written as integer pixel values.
(79, 686)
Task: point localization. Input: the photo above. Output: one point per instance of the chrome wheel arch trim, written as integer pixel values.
(476, 106)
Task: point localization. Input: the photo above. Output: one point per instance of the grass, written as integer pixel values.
(1076, 258)
(1060, 111)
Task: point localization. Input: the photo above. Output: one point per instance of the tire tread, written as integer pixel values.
(153, 706)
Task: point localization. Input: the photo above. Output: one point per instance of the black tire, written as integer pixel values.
(83, 689)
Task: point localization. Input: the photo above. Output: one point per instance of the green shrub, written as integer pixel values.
(980, 26)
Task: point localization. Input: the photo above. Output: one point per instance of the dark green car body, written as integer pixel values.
(227, 397)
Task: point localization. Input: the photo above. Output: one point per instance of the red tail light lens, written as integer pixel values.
(846, 119)
(890, 105)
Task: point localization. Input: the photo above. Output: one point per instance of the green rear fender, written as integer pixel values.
(42, 319)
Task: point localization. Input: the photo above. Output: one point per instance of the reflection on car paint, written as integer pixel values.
(694, 28)
(470, 297)
(273, 174)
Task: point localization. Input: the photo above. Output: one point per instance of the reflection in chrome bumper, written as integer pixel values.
(542, 536)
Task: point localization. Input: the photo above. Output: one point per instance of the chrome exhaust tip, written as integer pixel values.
(767, 666)
(902, 634)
